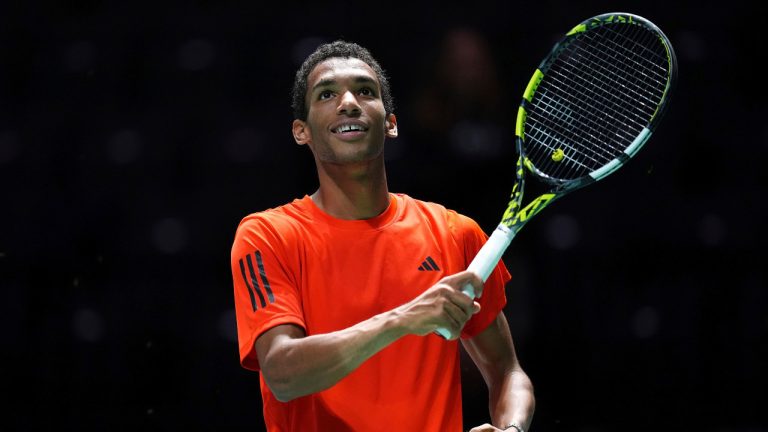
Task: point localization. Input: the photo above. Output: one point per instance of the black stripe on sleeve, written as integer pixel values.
(255, 282)
(264, 277)
(250, 290)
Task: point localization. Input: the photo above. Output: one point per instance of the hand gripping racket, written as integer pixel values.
(589, 107)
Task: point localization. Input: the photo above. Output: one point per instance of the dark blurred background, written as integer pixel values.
(135, 136)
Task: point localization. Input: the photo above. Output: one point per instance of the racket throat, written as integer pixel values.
(514, 218)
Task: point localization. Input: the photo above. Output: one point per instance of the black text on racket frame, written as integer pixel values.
(589, 107)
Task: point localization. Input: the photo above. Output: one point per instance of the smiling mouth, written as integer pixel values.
(349, 128)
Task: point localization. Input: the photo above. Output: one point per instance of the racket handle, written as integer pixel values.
(485, 261)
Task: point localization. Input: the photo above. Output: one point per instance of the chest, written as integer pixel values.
(350, 277)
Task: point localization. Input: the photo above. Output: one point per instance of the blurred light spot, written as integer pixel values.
(79, 56)
(243, 145)
(9, 146)
(476, 140)
(88, 325)
(228, 325)
(563, 232)
(711, 230)
(196, 54)
(690, 46)
(169, 235)
(468, 67)
(645, 322)
(124, 147)
(304, 47)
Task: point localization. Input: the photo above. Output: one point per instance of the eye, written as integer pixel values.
(367, 91)
(325, 94)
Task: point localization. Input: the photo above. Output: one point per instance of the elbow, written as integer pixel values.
(278, 368)
(283, 388)
(289, 369)
(283, 397)
(285, 394)
(287, 383)
(286, 387)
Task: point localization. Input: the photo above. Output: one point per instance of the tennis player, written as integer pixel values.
(338, 294)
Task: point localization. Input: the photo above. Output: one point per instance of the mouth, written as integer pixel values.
(349, 128)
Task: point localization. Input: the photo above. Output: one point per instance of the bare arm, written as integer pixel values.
(294, 365)
(510, 391)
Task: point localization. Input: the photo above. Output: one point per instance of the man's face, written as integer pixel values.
(347, 122)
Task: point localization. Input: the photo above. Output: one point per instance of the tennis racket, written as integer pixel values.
(590, 106)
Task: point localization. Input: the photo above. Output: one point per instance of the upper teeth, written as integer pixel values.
(347, 128)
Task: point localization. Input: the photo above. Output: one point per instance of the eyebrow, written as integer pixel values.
(358, 80)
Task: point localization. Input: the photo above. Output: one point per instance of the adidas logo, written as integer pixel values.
(429, 265)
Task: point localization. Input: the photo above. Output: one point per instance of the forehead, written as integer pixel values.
(335, 69)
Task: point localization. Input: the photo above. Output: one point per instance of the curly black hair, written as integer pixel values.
(337, 49)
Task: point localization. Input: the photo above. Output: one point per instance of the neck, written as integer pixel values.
(352, 192)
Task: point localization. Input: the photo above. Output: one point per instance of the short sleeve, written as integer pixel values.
(264, 262)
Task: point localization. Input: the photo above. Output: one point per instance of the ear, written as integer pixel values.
(390, 126)
(301, 132)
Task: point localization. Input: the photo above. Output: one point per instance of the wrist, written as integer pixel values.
(404, 320)
(394, 323)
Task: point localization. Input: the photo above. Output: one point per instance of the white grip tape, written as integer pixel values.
(489, 255)
(485, 261)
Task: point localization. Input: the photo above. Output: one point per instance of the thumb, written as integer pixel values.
(475, 307)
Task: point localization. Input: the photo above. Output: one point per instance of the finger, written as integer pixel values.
(455, 316)
(465, 278)
(477, 284)
(475, 307)
(459, 279)
(463, 303)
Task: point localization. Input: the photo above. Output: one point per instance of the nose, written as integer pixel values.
(348, 104)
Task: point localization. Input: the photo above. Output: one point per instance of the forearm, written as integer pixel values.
(295, 365)
(304, 365)
(511, 399)
(510, 391)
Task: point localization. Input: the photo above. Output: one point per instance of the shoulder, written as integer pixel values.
(454, 220)
(277, 225)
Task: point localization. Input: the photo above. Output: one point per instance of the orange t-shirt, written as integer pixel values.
(297, 265)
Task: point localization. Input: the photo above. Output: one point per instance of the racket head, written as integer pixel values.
(594, 100)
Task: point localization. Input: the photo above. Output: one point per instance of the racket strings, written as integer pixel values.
(641, 70)
(639, 41)
(596, 97)
(568, 120)
(600, 84)
(589, 155)
(555, 136)
(579, 51)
